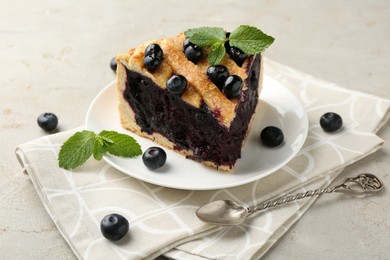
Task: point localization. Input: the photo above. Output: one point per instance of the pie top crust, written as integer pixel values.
(200, 88)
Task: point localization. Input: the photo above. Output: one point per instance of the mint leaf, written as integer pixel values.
(120, 144)
(76, 150)
(203, 40)
(250, 40)
(80, 146)
(99, 149)
(216, 53)
(206, 36)
(214, 32)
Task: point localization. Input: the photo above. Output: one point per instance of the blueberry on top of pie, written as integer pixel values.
(167, 92)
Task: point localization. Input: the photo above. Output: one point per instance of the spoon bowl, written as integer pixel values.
(222, 212)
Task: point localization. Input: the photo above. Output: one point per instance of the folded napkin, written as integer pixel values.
(162, 220)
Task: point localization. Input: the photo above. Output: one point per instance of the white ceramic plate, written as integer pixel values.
(277, 107)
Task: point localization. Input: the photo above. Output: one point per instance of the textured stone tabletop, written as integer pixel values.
(55, 57)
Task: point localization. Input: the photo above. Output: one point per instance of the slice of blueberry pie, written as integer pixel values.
(192, 97)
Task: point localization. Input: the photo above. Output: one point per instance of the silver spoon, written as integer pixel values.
(227, 212)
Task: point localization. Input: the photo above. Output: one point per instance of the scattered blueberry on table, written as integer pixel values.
(154, 158)
(47, 121)
(331, 122)
(114, 227)
(271, 136)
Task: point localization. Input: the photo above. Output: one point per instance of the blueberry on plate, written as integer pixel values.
(176, 84)
(232, 86)
(271, 136)
(218, 75)
(114, 227)
(331, 122)
(113, 64)
(47, 121)
(154, 158)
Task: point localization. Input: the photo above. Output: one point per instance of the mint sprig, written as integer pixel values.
(79, 147)
(216, 54)
(206, 36)
(249, 39)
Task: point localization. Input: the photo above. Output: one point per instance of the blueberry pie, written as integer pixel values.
(168, 92)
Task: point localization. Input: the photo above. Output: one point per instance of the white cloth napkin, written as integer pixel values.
(162, 220)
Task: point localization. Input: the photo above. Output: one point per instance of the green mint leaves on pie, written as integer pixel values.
(206, 36)
(80, 146)
(249, 39)
(216, 54)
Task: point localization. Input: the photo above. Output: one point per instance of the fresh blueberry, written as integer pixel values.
(331, 122)
(232, 87)
(176, 84)
(114, 227)
(237, 55)
(152, 62)
(218, 75)
(154, 158)
(113, 64)
(153, 56)
(154, 49)
(187, 43)
(271, 136)
(193, 53)
(47, 121)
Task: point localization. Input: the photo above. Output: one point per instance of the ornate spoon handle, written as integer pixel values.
(363, 183)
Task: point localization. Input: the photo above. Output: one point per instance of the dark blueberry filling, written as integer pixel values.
(156, 110)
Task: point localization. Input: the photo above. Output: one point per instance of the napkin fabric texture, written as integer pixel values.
(162, 220)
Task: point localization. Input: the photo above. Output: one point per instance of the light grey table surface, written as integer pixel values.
(55, 57)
